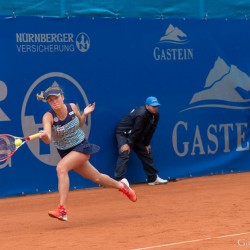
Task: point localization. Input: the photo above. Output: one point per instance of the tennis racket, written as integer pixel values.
(8, 144)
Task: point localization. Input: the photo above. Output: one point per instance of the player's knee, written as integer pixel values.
(124, 155)
(61, 170)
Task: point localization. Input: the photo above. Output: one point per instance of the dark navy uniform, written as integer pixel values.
(136, 129)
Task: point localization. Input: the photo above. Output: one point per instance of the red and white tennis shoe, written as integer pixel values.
(59, 213)
(129, 192)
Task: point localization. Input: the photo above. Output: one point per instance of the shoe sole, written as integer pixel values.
(55, 217)
(153, 184)
(134, 200)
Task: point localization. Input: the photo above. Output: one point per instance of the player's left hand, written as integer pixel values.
(90, 108)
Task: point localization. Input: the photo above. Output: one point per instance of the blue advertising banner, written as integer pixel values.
(198, 69)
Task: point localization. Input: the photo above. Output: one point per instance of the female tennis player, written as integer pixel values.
(62, 125)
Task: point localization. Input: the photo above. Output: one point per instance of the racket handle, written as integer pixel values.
(32, 137)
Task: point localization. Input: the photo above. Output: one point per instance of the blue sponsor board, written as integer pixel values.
(198, 69)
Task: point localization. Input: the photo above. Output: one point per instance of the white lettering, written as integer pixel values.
(211, 137)
(173, 54)
(175, 134)
(241, 137)
(44, 38)
(42, 48)
(197, 143)
(3, 95)
(225, 128)
(200, 140)
(243, 243)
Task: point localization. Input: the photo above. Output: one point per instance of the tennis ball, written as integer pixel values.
(18, 142)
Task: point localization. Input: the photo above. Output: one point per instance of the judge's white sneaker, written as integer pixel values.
(158, 181)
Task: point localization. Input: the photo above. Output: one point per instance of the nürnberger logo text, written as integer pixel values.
(50, 42)
(44, 38)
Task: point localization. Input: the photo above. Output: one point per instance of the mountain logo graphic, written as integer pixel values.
(174, 35)
(225, 87)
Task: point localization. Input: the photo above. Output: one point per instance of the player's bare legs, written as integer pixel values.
(80, 163)
(83, 167)
(69, 162)
(88, 171)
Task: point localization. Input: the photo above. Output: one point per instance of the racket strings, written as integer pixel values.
(7, 147)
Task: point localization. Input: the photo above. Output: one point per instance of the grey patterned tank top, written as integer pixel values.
(67, 133)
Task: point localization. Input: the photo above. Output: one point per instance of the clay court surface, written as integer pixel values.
(196, 213)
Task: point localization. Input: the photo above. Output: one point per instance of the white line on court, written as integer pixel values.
(190, 241)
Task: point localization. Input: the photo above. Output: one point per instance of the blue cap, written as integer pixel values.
(56, 91)
(152, 101)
